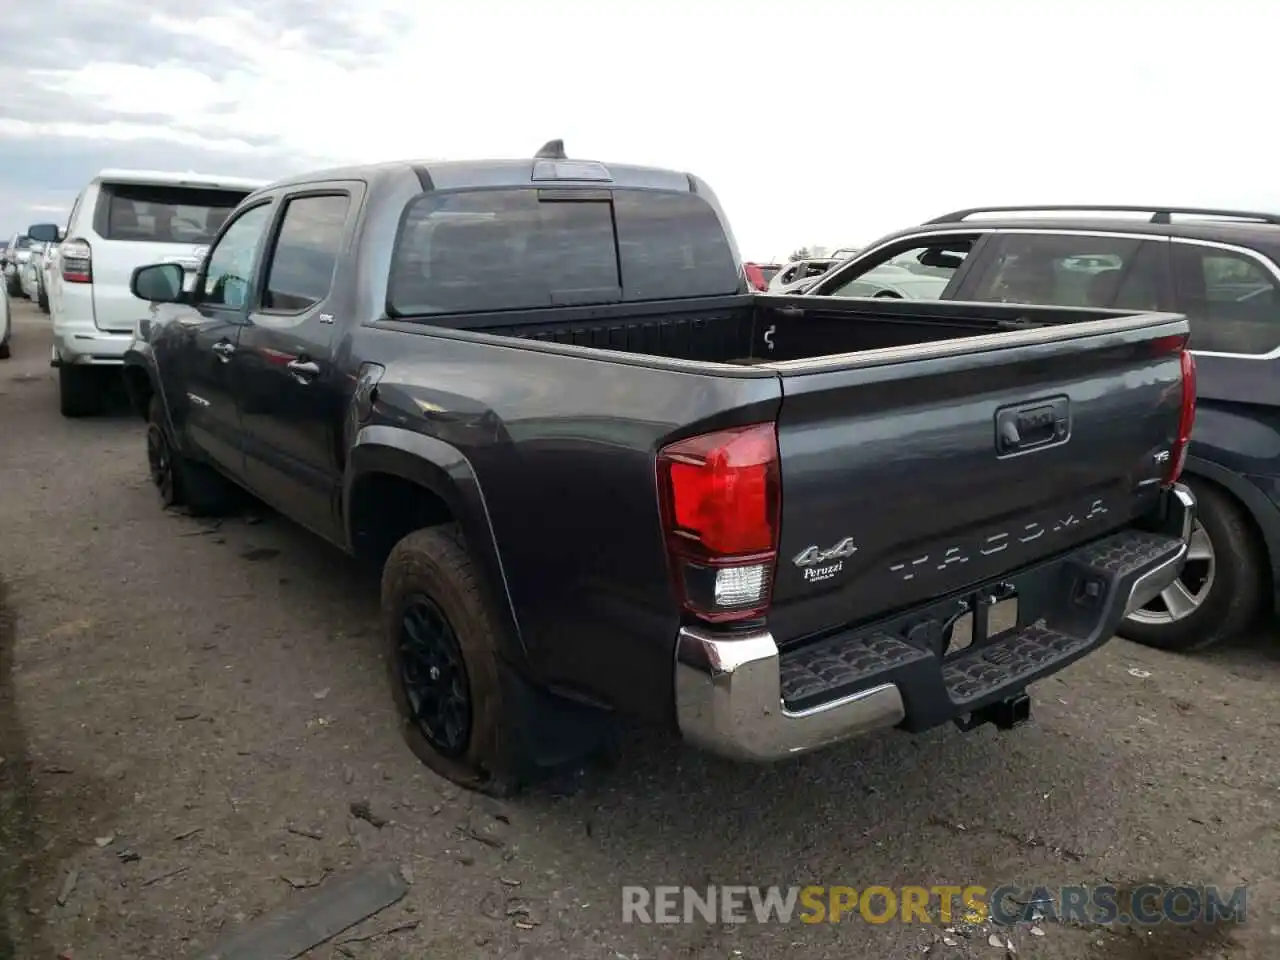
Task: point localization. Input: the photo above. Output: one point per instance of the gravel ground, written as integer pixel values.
(188, 714)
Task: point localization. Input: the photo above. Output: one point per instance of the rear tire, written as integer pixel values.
(442, 641)
(42, 299)
(180, 481)
(79, 391)
(5, 351)
(1217, 596)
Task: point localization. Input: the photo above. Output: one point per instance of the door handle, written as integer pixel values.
(304, 371)
(224, 349)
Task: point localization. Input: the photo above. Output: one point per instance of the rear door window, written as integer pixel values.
(1232, 299)
(300, 273)
(1062, 270)
(158, 213)
(488, 250)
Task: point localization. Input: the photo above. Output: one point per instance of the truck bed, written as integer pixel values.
(759, 329)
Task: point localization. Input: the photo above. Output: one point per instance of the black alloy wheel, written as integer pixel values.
(434, 676)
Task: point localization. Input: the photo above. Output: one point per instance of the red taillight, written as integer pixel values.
(720, 496)
(77, 261)
(1186, 419)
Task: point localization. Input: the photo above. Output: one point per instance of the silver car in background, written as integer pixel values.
(17, 253)
(35, 272)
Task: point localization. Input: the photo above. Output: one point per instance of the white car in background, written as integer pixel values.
(902, 278)
(123, 219)
(797, 275)
(29, 273)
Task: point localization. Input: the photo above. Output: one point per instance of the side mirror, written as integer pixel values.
(43, 232)
(62, 234)
(158, 283)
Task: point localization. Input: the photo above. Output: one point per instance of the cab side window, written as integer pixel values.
(1232, 299)
(229, 271)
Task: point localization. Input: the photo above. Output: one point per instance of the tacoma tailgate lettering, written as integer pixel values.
(990, 544)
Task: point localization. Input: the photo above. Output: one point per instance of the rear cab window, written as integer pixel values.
(160, 213)
(479, 251)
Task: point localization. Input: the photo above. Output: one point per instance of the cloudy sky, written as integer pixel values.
(816, 122)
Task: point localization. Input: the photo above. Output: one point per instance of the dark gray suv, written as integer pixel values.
(1219, 267)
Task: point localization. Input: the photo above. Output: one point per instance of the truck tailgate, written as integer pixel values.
(912, 472)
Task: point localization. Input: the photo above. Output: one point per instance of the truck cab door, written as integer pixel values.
(206, 338)
(292, 394)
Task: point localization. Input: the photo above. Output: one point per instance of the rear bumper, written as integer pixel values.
(80, 345)
(740, 696)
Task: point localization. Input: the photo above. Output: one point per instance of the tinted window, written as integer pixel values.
(230, 268)
(1230, 299)
(306, 252)
(502, 250)
(1055, 270)
(920, 272)
(487, 250)
(133, 211)
(23, 243)
(672, 245)
(1143, 286)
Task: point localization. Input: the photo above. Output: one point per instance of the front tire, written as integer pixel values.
(1221, 590)
(13, 283)
(180, 481)
(42, 299)
(442, 652)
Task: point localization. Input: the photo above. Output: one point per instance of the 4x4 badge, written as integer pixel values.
(812, 556)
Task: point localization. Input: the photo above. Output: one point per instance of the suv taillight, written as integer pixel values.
(720, 495)
(1187, 417)
(77, 261)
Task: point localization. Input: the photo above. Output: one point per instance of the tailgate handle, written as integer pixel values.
(1032, 425)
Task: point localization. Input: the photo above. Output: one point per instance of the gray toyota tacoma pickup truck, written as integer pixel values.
(602, 479)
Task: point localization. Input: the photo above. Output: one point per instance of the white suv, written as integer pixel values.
(123, 219)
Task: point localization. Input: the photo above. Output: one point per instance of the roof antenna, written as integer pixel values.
(551, 150)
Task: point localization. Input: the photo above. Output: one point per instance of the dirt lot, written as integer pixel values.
(188, 714)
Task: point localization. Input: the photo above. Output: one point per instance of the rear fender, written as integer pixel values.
(1264, 513)
(446, 472)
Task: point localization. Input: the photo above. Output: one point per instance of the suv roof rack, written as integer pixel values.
(1159, 214)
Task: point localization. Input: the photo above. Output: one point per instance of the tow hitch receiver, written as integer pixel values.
(1005, 714)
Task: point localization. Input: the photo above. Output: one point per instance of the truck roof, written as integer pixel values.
(447, 174)
(176, 178)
